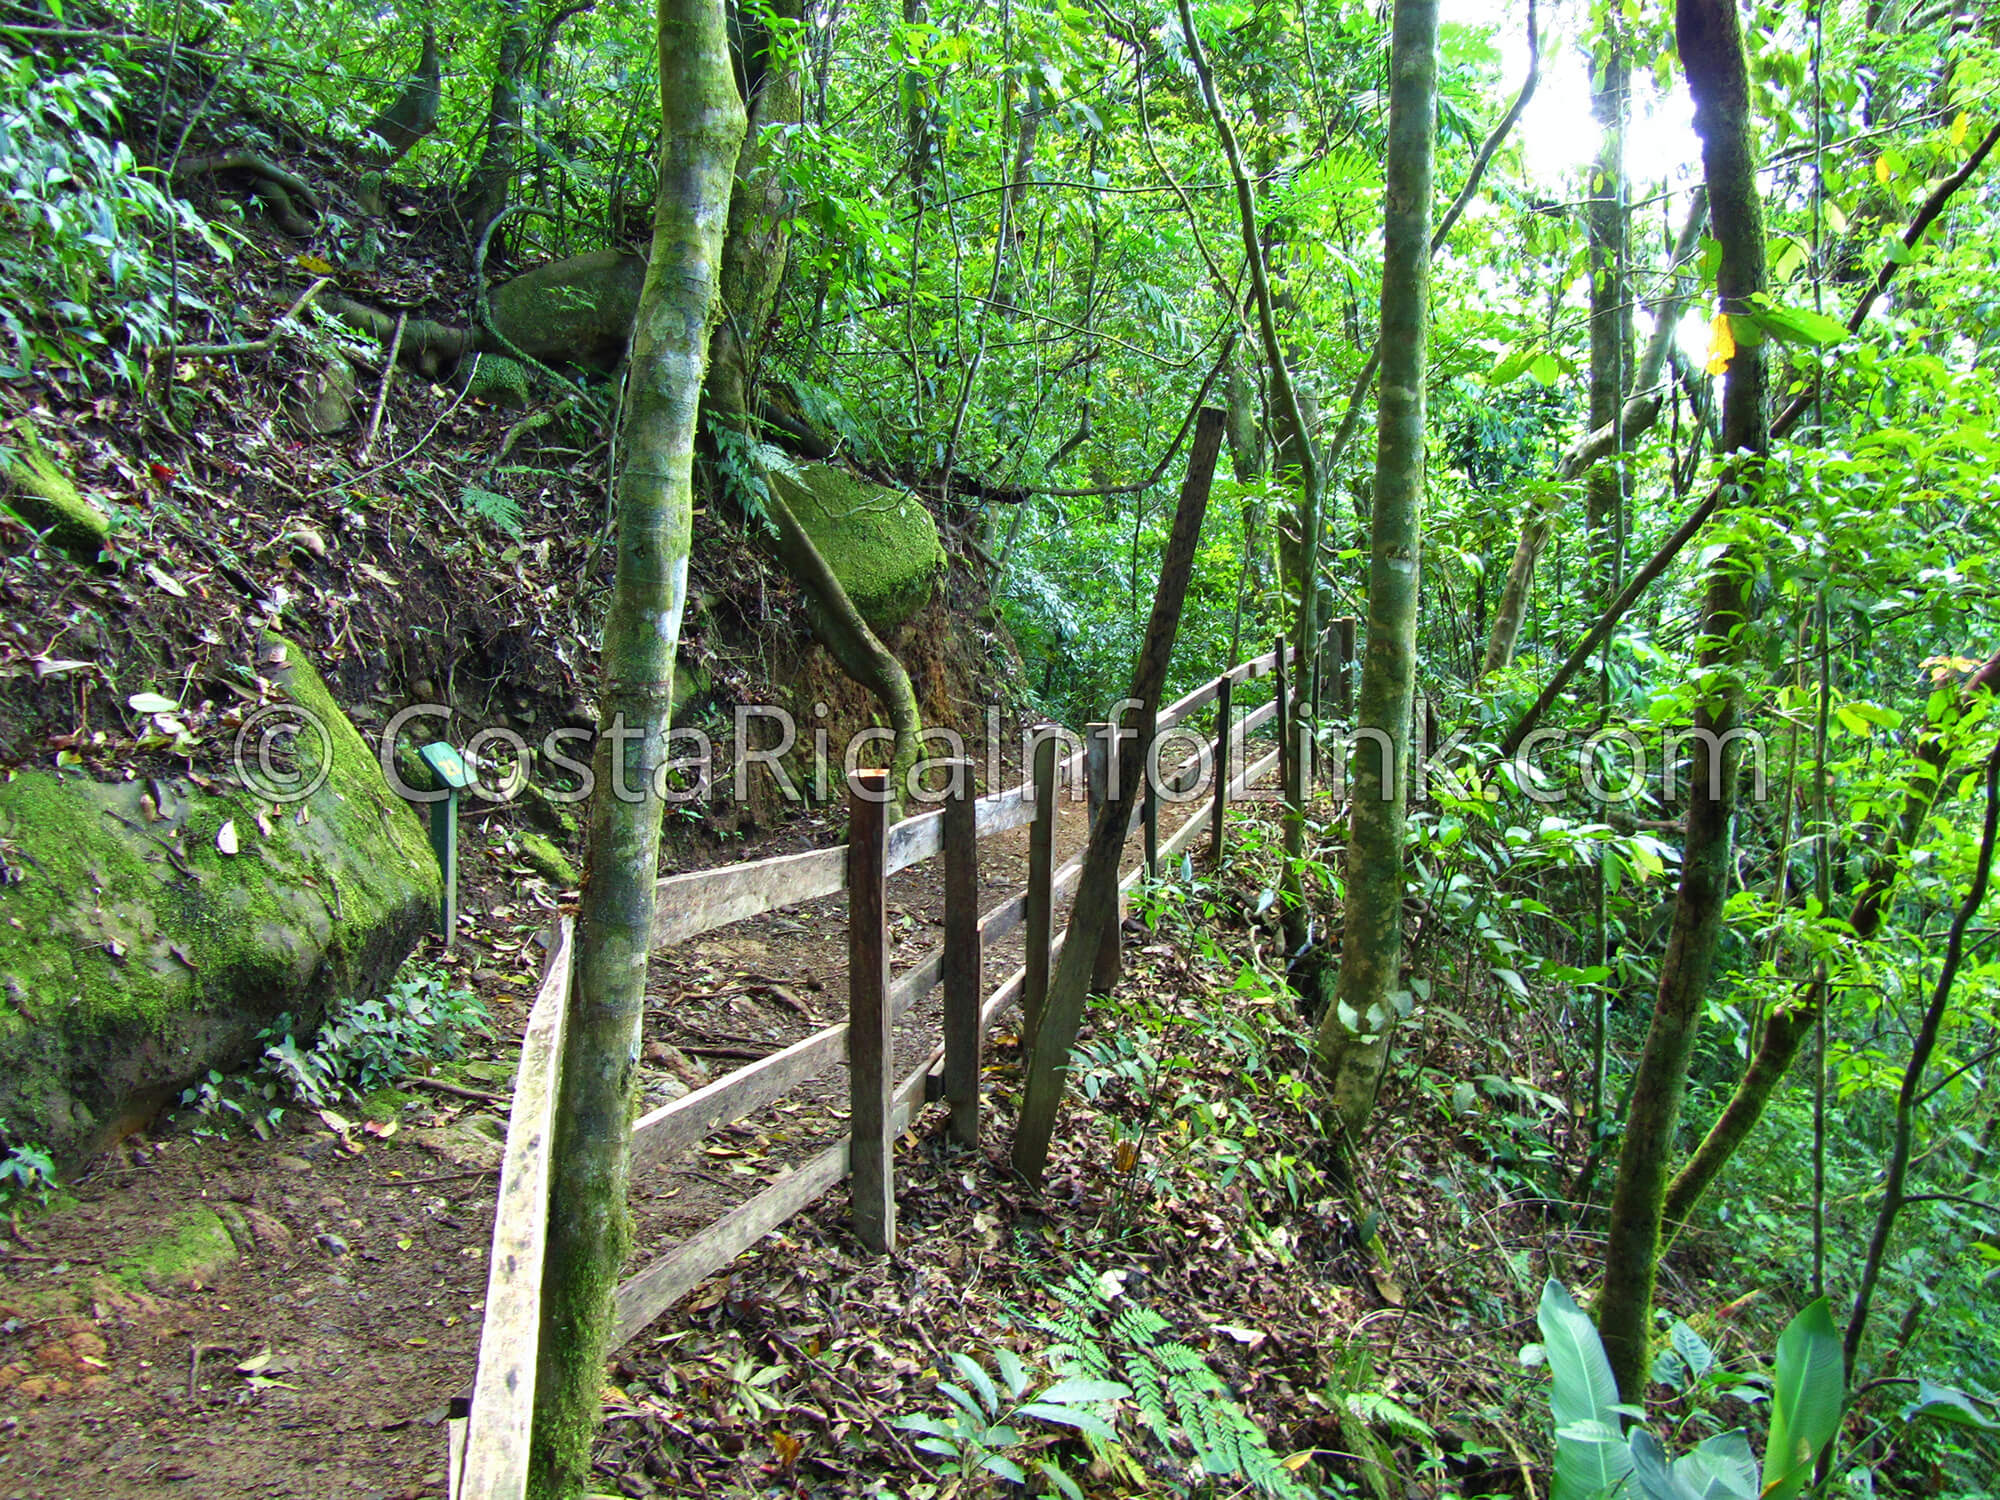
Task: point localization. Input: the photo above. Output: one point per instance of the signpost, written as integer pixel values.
(455, 776)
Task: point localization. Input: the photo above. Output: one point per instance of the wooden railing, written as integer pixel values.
(489, 1443)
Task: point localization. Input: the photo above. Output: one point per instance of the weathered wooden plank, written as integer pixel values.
(1218, 804)
(964, 966)
(669, 1130)
(1180, 708)
(659, 1285)
(454, 1454)
(503, 1392)
(655, 1288)
(1008, 809)
(871, 1039)
(1256, 719)
(1038, 899)
(915, 840)
(701, 900)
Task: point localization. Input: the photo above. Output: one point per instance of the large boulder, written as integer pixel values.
(576, 311)
(136, 952)
(881, 543)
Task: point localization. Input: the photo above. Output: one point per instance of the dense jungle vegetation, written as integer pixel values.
(1627, 373)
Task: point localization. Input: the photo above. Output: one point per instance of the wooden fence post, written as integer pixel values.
(1343, 668)
(1149, 819)
(1041, 882)
(1318, 690)
(1222, 767)
(964, 967)
(871, 1051)
(1097, 742)
(1282, 722)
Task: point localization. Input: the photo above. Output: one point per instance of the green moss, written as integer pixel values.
(549, 861)
(197, 1247)
(43, 497)
(134, 952)
(881, 543)
(499, 379)
(578, 310)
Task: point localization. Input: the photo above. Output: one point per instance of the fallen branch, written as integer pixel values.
(382, 390)
(278, 187)
(457, 1090)
(250, 346)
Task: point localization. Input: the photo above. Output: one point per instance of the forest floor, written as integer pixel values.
(310, 1347)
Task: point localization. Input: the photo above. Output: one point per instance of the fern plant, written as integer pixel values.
(976, 1436)
(1176, 1393)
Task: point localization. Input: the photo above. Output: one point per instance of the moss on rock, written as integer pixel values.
(498, 379)
(196, 1248)
(881, 543)
(549, 861)
(578, 310)
(43, 497)
(135, 954)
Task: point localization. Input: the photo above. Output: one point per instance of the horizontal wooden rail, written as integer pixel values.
(698, 901)
(495, 1436)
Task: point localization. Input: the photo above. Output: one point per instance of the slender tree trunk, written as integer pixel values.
(1711, 48)
(1286, 401)
(1353, 1040)
(1610, 323)
(1636, 418)
(753, 264)
(1788, 1026)
(484, 196)
(701, 126)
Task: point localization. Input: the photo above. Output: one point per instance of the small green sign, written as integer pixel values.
(448, 765)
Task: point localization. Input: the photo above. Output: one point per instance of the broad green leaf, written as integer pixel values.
(1800, 325)
(1720, 1467)
(1805, 1400)
(976, 1376)
(1583, 1399)
(1006, 1468)
(1081, 1388)
(1943, 1403)
(1692, 1348)
(1011, 1371)
(1071, 1416)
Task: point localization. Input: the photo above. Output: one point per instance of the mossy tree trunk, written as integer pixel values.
(1297, 446)
(753, 264)
(487, 187)
(700, 128)
(1711, 48)
(1353, 1038)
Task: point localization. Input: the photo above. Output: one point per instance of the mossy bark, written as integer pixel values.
(43, 497)
(1353, 1039)
(701, 128)
(1711, 47)
(753, 261)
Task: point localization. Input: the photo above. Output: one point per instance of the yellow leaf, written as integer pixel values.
(1882, 170)
(313, 264)
(1721, 345)
(1958, 129)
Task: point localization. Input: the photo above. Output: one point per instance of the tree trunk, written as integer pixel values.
(1610, 323)
(1787, 1026)
(701, 126)
(1286, 401)
(1711, 48)
(753, 264)
(484, 196)
(1096, 905)
(1635, 418)
(1353, 1039)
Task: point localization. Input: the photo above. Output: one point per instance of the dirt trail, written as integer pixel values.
(306, 1348)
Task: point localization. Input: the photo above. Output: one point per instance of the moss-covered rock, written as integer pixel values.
(499, 380)
(548, 861)
(881, 543)
(196, 1248)
(135, 954)
(578, 310)
(41, 495)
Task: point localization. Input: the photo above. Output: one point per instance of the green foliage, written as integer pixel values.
(1595, 1456)
(982, 1432)
(87, 284)
(502, 512)
(26, 1171)
(361, 1046)
(1180, 1399)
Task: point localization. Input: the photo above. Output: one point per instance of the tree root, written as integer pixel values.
(282, 192)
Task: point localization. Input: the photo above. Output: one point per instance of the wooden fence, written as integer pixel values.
(488, 1452)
